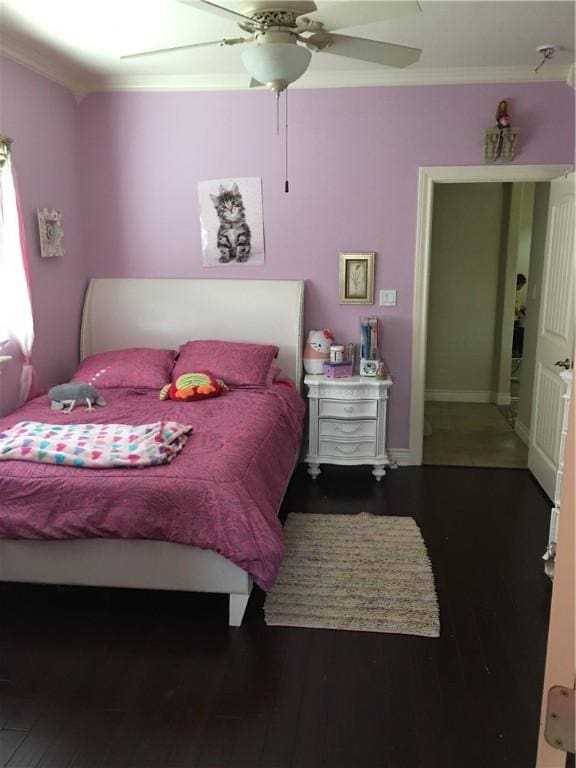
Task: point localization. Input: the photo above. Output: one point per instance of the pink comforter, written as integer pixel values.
(221, 493)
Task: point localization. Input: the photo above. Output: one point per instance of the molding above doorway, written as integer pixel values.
(428, 176)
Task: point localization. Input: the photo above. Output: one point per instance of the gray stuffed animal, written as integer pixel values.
(63, 395)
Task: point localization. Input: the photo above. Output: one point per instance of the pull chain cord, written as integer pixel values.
(277, 113)
(286, 183)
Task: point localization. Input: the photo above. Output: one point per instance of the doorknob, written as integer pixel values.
(567, 364)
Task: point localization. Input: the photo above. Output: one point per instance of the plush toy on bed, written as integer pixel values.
(63, 397)
(193, 386)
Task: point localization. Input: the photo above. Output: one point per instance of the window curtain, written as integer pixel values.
(16, 321)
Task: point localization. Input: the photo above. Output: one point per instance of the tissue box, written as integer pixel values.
(337, 370)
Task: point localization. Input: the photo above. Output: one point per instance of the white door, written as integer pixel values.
(555, 334)
(560, 661)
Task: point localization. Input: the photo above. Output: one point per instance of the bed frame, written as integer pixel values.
(164, 313)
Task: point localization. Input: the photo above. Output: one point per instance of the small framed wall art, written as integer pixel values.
(357, 277)
(231, 222)
(51, 233)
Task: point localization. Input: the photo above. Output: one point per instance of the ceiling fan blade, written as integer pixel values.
(388, 54)
(225, 41)
(219, 10)
(353, 14)
(255, 84)
(300, 7)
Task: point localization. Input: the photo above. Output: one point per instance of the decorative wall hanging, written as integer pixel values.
(500, 141)
(357, 277)
(51, 233)
(231, 221)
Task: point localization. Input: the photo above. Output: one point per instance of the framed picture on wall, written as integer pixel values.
(357, 277)
(231, 222)
(51, 233)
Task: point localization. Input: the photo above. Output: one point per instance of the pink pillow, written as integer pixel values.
(277, 376)
(274, 374)
(139, 368)
(236, 363)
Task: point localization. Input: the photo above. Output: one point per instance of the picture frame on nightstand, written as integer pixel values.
(356, 277)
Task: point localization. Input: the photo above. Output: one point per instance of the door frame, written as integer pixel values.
(427, 177)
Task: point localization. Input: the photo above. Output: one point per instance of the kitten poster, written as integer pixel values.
(231, 222)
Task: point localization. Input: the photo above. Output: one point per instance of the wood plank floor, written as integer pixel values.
(93, 678)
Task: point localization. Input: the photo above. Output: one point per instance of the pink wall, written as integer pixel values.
(354, 159)
(123, 168)
(42, 118)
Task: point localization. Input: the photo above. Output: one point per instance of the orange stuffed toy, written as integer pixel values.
(193, 386)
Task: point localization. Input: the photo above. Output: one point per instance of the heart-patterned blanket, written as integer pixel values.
(94, 446)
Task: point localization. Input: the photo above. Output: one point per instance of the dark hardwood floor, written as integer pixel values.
(93, 678)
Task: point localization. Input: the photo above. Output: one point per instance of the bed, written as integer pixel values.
(164, 313)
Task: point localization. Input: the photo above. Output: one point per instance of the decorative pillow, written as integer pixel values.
(274, 373)
(193, 386)
(277, 376)
(137, 367)
(237, 363)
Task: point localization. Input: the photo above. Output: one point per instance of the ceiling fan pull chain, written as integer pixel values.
(277, 93)
(286, 183)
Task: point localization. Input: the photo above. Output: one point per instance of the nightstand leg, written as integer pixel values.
(379, 471)
(314, 470)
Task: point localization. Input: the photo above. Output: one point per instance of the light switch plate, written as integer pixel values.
(388, 297)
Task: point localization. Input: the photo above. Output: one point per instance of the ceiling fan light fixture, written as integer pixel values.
(276, 65)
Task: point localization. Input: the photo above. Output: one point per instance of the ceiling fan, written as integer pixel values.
(283, 35)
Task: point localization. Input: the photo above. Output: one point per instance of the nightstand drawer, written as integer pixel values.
(357, 429)
(348, 409)
(350, 449)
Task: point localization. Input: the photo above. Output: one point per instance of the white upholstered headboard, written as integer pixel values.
(166, 312)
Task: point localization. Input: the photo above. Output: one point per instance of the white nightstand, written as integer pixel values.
(347, 422)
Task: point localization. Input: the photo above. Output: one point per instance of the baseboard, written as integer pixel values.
(502, 398)
(459, 396)
(522, 431)
(400, 456)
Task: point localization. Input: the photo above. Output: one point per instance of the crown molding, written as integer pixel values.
(43, 63)
(355, 79)
(431, 76)
(81, 83)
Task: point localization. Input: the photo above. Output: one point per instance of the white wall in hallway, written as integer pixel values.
(542, 194)
(517, 239)
(465, 261)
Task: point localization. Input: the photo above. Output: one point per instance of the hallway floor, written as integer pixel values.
(471, 435)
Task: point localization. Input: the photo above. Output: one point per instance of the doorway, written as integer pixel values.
(480, 257)
(429, 179)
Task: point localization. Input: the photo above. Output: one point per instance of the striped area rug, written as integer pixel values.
(358, 572)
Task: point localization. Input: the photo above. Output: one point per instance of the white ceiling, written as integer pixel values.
(79, 43)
